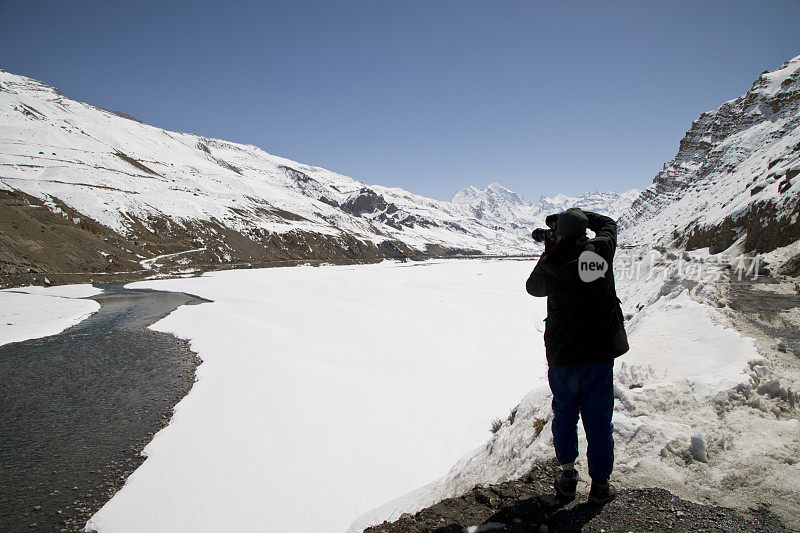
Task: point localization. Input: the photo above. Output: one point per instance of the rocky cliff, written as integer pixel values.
(733, 184)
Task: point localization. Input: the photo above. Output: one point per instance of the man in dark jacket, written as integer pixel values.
(584, 332)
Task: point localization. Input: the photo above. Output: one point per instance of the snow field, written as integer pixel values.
(324, 392)
(697, 410)
(33, 312)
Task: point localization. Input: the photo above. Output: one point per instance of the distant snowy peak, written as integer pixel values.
(509, 196)
(504, 206)
(606, 202)
(493, 194)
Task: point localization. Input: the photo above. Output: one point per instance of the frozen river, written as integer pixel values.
(327, 391)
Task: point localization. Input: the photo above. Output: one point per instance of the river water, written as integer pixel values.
(77, 408)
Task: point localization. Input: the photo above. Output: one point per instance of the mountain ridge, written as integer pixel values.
(104, 194)
(505, 207)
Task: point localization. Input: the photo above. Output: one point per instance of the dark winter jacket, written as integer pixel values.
(582, 318)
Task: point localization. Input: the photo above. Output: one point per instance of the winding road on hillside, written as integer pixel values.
(77, 408)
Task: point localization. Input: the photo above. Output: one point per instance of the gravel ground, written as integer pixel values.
(766, 309)
(529, 505)
(78, 408)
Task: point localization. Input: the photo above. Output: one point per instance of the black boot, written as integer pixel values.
(601, 493)
(566, 484)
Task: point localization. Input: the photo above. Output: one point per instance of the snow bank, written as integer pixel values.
(697, 410)
(33, 312)
(682, 340)
(325, 392)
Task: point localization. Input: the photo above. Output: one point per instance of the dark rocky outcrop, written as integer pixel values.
(764, 226)
(136, 164)
(367, 201)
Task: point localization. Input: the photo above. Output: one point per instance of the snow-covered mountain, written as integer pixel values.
(504, 208)
(734, 179)
(125, 192)
(132, 177)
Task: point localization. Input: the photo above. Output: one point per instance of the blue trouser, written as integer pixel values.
(588, 391)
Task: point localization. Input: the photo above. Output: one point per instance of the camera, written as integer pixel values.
(544, 234)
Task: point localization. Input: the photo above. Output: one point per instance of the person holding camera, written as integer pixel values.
(584, 332)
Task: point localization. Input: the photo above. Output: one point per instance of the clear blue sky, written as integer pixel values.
(427, 95)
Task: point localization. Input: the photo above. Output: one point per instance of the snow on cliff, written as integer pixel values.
(735, 178)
